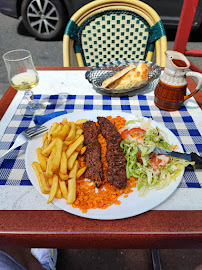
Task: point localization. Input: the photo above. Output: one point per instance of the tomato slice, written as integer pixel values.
(136, 132)
(124, 134)
(159, 160)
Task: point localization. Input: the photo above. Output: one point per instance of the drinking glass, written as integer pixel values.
(22, 76)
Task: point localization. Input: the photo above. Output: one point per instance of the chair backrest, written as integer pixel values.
(109, 30)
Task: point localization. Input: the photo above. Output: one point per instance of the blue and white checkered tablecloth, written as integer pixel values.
(12, 169)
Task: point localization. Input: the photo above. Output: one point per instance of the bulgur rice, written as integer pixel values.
(90, 197)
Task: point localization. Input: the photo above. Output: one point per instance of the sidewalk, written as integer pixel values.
(122, 259)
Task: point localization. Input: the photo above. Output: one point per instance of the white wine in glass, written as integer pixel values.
(22, 76)
(24, 81)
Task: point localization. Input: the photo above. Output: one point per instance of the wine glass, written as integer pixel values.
(22, 76)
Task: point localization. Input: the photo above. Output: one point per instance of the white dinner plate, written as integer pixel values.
(132, 205)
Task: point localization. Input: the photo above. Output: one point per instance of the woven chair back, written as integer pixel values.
(111, 34)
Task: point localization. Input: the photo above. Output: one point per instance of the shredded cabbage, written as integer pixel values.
(138, 160)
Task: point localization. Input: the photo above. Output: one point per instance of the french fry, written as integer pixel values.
(80, 121)
(71, 160)
(63, 177)
(45, 136)
(63, 188)
(78, 149)
(73, 146)
(46, 152)
(83, 150)
(63, 163)
(57, 156)
(42, 181)
(71, 197)
(67, 143)
(64, 147)
(79, 131)
(41, 159)
(53, 127)
(50, 181)
(71, 141)
(58, 167)
(80, 172)
(73, 172)
(45, 141)
(49, 172)
(64, 121)
(53, 188)
(72, 132)
(45, 144)
(64, 132)
(56, 131)
(58, 193)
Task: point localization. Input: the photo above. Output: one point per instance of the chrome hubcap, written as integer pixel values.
(42, 16)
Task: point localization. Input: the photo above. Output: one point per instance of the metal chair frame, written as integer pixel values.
(183, 32)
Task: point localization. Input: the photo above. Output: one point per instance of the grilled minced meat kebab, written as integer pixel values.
(93, 153)
(116, 172)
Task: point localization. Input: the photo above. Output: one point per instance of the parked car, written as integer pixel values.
(46, 19)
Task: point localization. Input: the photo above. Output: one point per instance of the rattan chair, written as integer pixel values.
(109, 30)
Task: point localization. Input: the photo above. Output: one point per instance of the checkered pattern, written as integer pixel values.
(12, 169)
(112, 36)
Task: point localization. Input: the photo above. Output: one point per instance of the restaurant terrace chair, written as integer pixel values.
(109, 30)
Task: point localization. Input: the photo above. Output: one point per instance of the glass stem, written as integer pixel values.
(30, 98)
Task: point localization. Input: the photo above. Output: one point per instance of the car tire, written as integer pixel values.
(46, 21)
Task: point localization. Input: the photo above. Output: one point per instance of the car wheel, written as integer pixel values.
(44, 19)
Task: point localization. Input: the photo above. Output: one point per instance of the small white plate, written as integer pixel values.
(130, 206)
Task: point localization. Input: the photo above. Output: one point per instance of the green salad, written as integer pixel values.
(151, 170)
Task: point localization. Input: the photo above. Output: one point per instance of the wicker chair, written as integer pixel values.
(110, 30)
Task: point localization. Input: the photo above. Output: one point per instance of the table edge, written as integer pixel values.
(60, 229)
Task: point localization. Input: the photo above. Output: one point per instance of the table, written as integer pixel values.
(173, 224)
